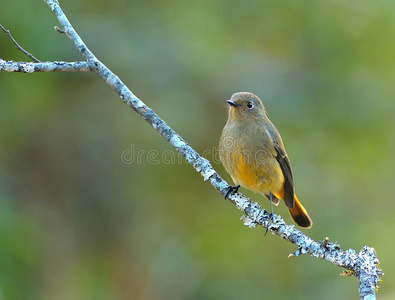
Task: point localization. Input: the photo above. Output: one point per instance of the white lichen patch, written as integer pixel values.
(248, 222)
(138, 103)
(27, 68)
(111, 80)
(241, 202)
(10, 67)
(176, 141)
(207, 174)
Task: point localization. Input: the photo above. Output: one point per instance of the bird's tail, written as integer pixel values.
(299, 214)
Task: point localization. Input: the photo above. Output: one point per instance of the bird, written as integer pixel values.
(253, 153)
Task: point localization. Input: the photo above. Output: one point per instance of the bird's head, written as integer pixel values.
(245, 106)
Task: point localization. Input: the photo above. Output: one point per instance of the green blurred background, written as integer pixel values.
(82, 218)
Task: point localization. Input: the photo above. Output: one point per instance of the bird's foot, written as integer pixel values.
(232, 189)
(271, 216)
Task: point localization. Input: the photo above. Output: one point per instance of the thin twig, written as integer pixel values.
(7, 32)
(59, 30)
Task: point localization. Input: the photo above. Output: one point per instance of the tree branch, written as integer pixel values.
(363, 265)
(56, 66)
(7, 32)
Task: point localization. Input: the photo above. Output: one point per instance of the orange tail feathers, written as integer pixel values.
(299, 214)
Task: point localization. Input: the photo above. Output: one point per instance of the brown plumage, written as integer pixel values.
(253, 153)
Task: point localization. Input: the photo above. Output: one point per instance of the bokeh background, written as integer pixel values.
(91, 207)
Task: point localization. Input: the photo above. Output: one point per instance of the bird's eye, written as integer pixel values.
(250, 105)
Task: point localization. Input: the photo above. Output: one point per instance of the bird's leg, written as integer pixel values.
(271, 215)
(271, 208)
(232, 189)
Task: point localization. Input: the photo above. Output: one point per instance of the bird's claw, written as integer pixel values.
(271, 216)
(232, 189)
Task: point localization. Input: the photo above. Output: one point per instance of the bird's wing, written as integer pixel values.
(285, 165)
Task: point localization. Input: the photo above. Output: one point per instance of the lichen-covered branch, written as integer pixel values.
(363, 265)
(50, 66)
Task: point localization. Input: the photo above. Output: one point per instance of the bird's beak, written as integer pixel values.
(232, 103)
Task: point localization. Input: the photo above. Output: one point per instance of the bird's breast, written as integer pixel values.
(250, 160)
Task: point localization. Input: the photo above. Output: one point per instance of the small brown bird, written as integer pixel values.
(252, 152)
